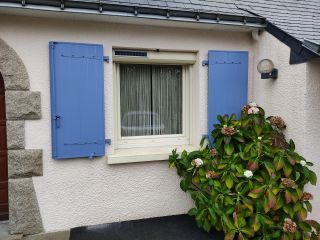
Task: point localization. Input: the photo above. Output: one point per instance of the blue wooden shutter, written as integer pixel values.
(77, 100)
(227, 84)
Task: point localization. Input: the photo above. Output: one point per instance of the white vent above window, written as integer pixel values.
(128, 53)
(150, 56)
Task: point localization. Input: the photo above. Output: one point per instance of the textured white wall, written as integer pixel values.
(82, 192)
(295, 96)
(312, 118)
(286, 96)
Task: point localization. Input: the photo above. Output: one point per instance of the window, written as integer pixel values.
(152, 103)
(150, 100)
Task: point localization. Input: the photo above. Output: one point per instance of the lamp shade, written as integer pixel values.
(265, 66)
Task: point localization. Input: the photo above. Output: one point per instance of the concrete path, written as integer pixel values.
(4, 234)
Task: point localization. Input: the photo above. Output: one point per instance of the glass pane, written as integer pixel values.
(167, 99)
(150, 100)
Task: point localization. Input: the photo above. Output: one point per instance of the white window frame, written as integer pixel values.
(157, 140)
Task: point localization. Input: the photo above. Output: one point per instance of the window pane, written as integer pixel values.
(167, 99)
(135, 100)
(150, 100)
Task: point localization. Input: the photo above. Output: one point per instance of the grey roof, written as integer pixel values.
(299, 18)
(213, 6)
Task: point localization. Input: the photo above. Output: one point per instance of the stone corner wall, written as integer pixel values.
(23, 164)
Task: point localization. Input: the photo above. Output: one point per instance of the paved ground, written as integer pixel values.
(168, 228)
(4, 235)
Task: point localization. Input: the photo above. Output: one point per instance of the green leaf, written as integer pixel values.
(218, 142)
(229, 182)
(220, 119)
(278, 163)
(229, 148)
(312, 177)
(279, 203)
(269, 167)
(184, 185)
(302, 214)
(304, 226)
(292, 146)
(297, 207)
(287, 169)
(192, 212)
(308, 206)
(257, 129)
(207, 226)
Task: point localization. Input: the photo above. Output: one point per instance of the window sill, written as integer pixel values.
(145, 154)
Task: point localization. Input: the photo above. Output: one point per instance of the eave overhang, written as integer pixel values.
(300, 52)
(138, 11)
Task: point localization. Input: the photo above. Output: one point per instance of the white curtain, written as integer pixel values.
(150, 100)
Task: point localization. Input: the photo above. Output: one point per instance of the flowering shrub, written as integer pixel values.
(251, 184)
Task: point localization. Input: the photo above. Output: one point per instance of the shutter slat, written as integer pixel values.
(227, 84)
(77, 100)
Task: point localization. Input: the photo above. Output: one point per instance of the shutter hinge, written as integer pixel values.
(209, 139)
(205, 63)
(108, 141)
(106, 58)
(91, 155)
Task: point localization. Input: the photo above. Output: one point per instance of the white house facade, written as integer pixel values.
(131, 180)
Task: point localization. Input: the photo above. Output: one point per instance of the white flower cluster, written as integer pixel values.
(197, 162)
(248, 174)
(253, 108)
(303, 163)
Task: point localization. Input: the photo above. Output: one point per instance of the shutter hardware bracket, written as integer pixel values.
(106, 58)
(108, 141)
(205, 63)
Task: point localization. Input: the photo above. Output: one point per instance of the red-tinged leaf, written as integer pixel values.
(253, 165)
(271, 200)
(229, 236)
(291, 160)
(288, 197)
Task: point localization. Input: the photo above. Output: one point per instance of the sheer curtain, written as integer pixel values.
(150, 100)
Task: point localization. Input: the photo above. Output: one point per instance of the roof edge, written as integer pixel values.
(103, 8)
(300, 53)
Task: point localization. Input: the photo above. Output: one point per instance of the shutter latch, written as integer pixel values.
(57, 121)
(108, 141)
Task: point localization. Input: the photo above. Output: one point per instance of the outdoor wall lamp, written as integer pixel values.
(267, 70)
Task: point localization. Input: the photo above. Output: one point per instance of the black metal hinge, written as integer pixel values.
(106, 58)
